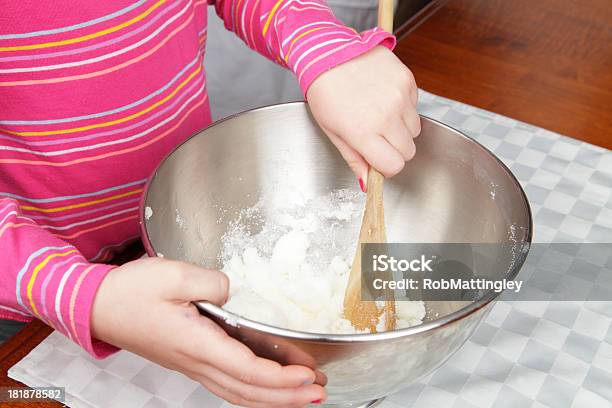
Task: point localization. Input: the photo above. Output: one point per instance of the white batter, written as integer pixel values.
(293, 273)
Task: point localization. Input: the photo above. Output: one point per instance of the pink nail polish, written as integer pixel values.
(317, 401)
(362, 185)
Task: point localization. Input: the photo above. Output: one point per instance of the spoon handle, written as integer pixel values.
(376, 180)
(385, 15)
(385, 21)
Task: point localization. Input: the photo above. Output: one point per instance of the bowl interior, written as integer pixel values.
(454, 190)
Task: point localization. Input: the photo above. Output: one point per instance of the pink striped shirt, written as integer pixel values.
(92, 95)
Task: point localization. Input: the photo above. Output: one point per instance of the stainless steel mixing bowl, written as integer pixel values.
(454, 190)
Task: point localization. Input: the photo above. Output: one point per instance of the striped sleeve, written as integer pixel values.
(47, 278)
(302, 35)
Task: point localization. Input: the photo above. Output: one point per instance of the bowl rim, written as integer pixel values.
(237, 321)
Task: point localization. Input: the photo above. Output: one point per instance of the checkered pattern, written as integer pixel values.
(562, 271)
(526, 354)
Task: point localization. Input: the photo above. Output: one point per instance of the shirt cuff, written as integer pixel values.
(78, 311)
(319, 51)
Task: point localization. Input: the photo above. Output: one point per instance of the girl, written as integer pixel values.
(93, 95)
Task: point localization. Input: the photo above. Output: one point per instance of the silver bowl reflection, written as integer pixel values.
(454, 190)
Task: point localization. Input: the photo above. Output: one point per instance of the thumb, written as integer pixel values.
(194, 283)
(355, 161)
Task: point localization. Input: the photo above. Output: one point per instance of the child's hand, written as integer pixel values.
(144, 307)
(367, 107)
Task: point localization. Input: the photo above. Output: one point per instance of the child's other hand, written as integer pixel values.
(144, 307)
(367, 107)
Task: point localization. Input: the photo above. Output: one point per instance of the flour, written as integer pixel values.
(181, 222)
(289, 268)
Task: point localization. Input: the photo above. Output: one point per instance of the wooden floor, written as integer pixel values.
(545, 62)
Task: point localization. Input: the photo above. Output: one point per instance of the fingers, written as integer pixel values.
(381, 155)
(288, 396)
(248, 368)
(407, 82)
(243, 364)
(412, 121)
(227, 395)
(414, 95)
(400, 137)
(245, 379)
(387, 153)
(352, 157)
(413, 90)
(192, 283)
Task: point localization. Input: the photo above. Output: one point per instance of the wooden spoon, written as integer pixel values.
(364, 315)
